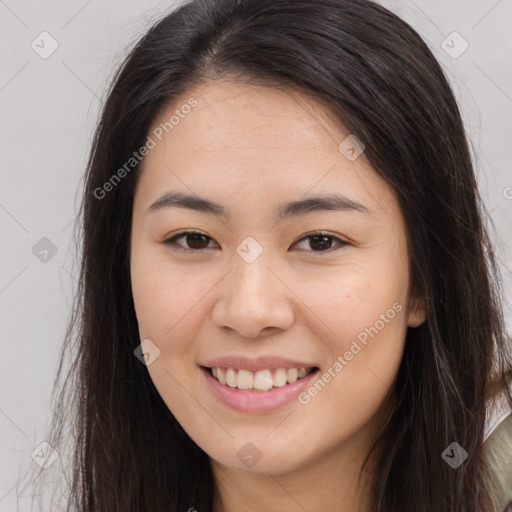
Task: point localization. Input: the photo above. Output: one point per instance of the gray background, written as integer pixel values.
(49, 107)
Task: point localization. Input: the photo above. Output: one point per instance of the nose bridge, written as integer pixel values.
(251, 276)
(252, 298)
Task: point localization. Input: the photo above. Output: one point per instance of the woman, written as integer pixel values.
(288, 299)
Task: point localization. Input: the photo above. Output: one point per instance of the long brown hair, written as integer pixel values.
(383, 83)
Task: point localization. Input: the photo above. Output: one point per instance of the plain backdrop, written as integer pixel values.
(49, 107)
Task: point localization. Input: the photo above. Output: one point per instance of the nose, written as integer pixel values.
(253, 298)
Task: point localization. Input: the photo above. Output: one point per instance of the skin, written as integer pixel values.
(251, 148)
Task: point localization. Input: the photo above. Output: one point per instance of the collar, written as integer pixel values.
(497, 410)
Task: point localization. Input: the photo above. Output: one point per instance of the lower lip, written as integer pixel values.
(257, 401)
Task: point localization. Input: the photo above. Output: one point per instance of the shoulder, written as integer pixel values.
(498, 449)
(499, 408)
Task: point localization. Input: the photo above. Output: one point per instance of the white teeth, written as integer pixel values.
(280, 377)
(231, 378)
(262, 380)
(244, 379)
(220, 376)
(292, 375)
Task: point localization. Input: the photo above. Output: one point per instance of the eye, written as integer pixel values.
(322, 241)
(319, 241)
(196, 241)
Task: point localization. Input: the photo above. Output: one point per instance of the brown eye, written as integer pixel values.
(195, 241)
(322, 242)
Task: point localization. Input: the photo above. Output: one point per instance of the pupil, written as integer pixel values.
(324, 244)
(195, 237)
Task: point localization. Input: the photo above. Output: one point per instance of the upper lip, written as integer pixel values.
(258, 363)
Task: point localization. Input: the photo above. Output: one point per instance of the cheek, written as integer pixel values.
(163, 298)
(361, 315)
(167, 308)
(356, 297)
(167, 313)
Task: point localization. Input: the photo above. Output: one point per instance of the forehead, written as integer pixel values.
(241, 138)
(232, 115)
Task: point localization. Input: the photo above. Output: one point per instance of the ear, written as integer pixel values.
(417, 312)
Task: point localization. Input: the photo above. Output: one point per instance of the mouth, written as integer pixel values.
(258, 381)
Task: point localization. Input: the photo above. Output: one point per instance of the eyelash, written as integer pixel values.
(171, 242)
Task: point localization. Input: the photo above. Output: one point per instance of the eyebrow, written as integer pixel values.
(284, 210)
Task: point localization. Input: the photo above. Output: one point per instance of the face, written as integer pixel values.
(294, 257)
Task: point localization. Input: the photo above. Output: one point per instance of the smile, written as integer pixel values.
(264, 390)
(261, 380)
